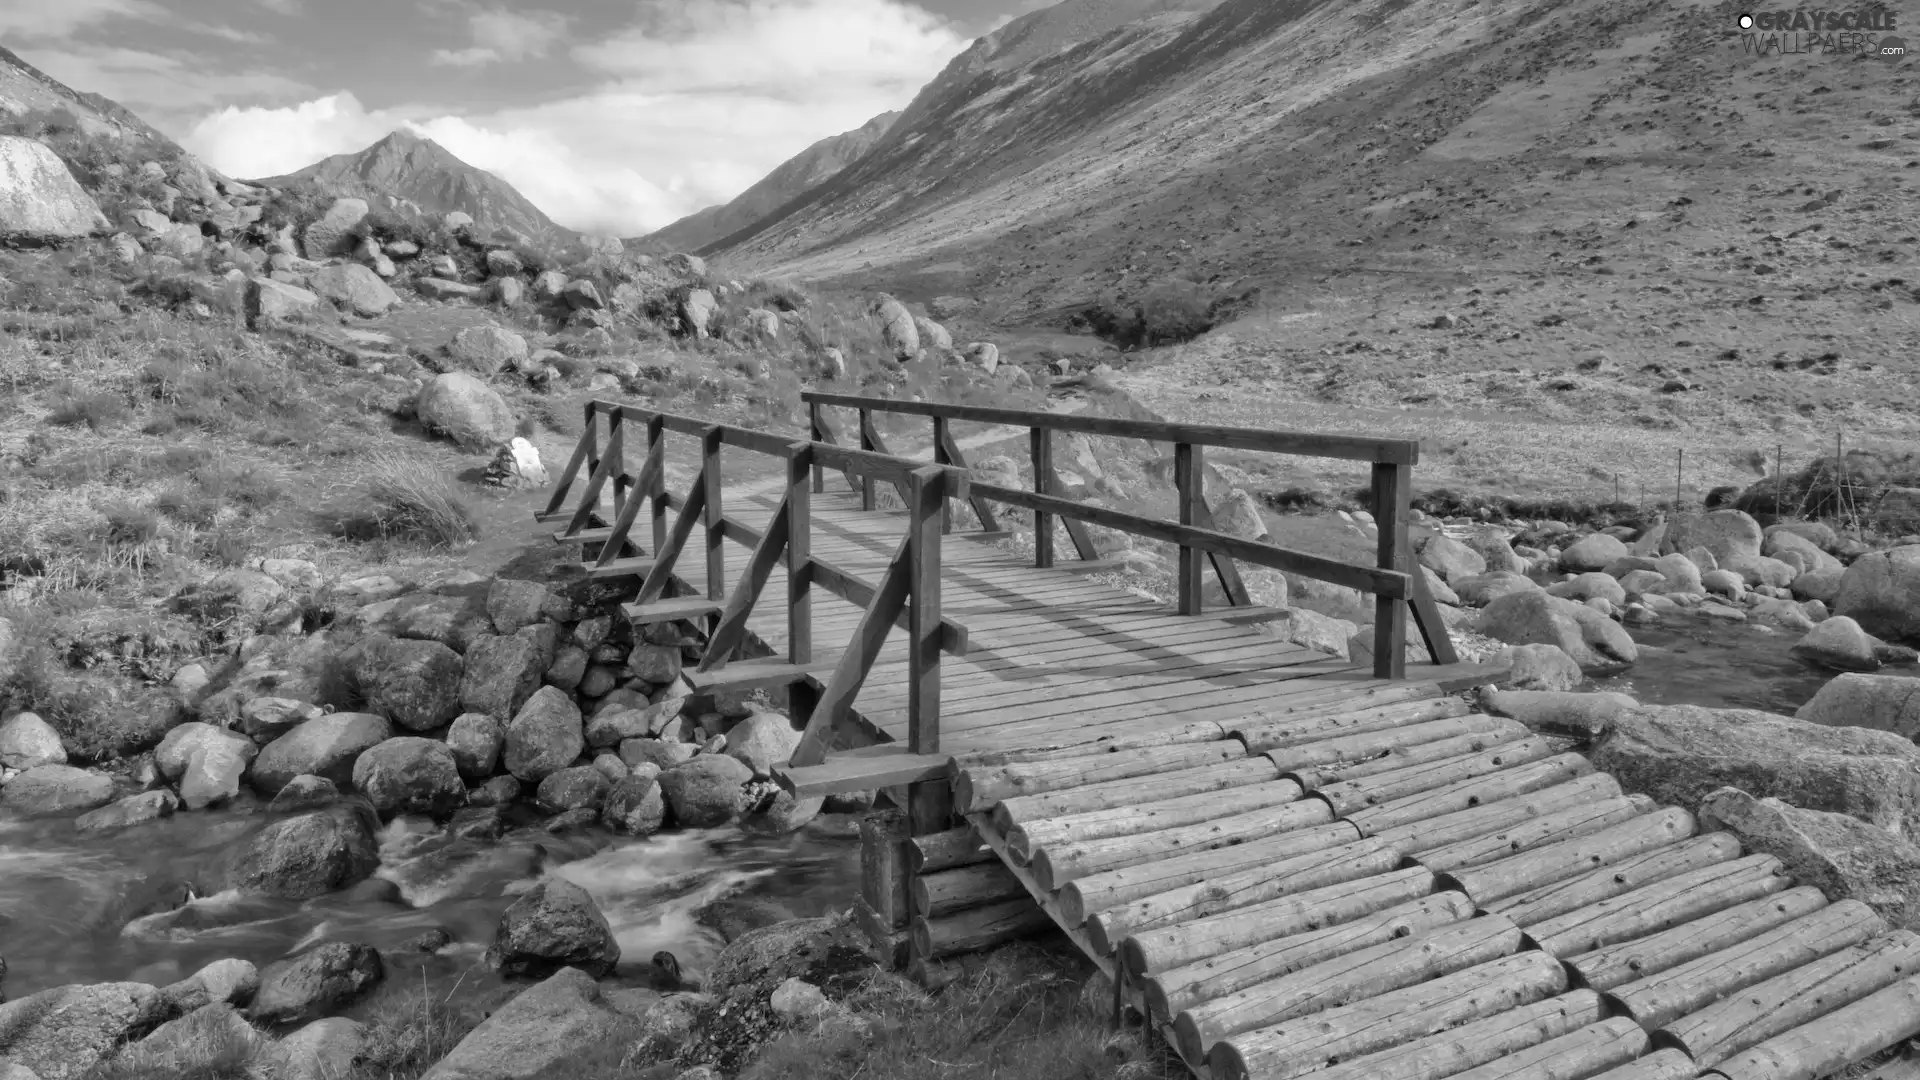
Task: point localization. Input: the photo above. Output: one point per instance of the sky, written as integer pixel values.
(613, 116)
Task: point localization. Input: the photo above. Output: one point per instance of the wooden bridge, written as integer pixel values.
(1287, 864)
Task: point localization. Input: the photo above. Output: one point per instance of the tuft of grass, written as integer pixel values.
(205, 1048)
(415, 504)
(99, 411)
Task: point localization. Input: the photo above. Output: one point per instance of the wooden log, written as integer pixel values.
(1080, 743)
(1563, 896)
(1592, 1049)
(1453, 798)
(1015, 812)
(1834, 1041)
(1659, 1065)
(1570, 858)
(1660, 906)
(1310, 1044)
(883, 873)
(1621, 962)
(945, 850)
(977, 789)
(1425, 835)
(1371, 745)
(947, 891)
(1367, 973)
(1239, 889)
(1263, 732)
(1148, 817)
(978, 928)
(888, 944)
(1455, 1050)
(1097, 892)
(1575, 821)
(1058, 864)
(1399, 758)
(1347, 796)
(1185, 950)
(1787, 1001)
(1182, 988)
(1659, 999)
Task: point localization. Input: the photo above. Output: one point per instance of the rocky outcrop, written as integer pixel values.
(40, 201)
(1882, 702)
(1840, 855)
(63, 1033)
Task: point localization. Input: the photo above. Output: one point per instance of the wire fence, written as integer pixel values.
(1859, 492)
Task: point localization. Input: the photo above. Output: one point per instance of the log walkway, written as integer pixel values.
(1289, 865)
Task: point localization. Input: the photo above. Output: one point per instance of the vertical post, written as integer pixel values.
(1392, 503)
(1188, 482)
(941, 457)
(593, 443)
(617, 450)
(711, 514)
(815, 434)
(1779, 477)
(1679, 468)
(866, 481)
(657, 450)
(926, 494)
(802, 695)
(1042, 448)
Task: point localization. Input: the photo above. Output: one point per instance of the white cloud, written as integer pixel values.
(506, 35)
(132, 75)
(699, 102)
(58, 18)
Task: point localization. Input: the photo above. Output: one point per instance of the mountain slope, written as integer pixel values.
(25, 88)
(418, 176)
(791, 178)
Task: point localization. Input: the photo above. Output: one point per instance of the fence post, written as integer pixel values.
(867, 501)
(617, 450)
(1042, 448)
(711, 516)
(815, 434)
(1392, 500)
(657, 447)
(927, 492)
(802, 695)
(941, 457)
(1188, 482)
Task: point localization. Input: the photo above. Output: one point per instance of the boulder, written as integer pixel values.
(544, 736)
(1580, 716)
(1838, 644)
(1595, 642)
(932, 335)
(1842, 856)
(897, 329)
(1726, 533)
(502, 262)
(326, 748)
(410, 775)
(635, 806)
(707, 791)
(40, 201)
(762, 742)
(551, 926)
(1312, 630)
(222, 982)
(1450, 558)
(1679, 753)
(580, 787)
(415, 684)
(63, 1033)
(27, 741)
(1780, 543)
(322, 1050)
(770, 955)
(276, 301)
(684, 265)
(1821, 585)
(1756, 570)
(475, 740)
(536, 1033)
(660, 753)
(54, 790)
(444, 288)
(355, 287)
(656, 664)
(323, 980)
(304, 793)
(215, 771)
(1540, 667)
(696, 311)
(1881, 702)
(1237, 514)
(265, 719)
(128, 812)
(1881, 591)
(616, 726)
(583, 294)
(1479, 590)
(786, 813)
(309, 855)
(332, 233)
(512, 604)
(502, 672)
(1592, 585)
(487, 350)
(465, 410)
(241, 600)
(1592, 553)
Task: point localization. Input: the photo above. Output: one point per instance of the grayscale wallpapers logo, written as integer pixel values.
(1823, 32)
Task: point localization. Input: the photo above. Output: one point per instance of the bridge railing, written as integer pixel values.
(1396, 588)
(907, 594)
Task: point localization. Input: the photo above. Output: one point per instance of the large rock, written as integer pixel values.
(53, 790)
(242, 601)
(544, 736)
(1595, 642)
(1592, 553)
(487, 350)
(762, 742)
(170, 758)
(326, 747)
(502, 672)
(323, 980)
(322, 1050)
(223, 982)
(276, 301)
(1726, 533)
(128, 812)
(553, 925)
(1451, 559)
(581, 787)
(636, 805)
(332, 233)
(466, 410)
(312, 854)
(1881, 591)
(1842, 856)
(1479, 590)
(1679, 753)
(1882, 702)
(1540, 667)
(354, 287)
(1781, 543)
(475, 739)
(1581, 716)
(707, 791)
(531, 1035)
(897, 330)
(1838, 644)
(410, 775)
(62, 1033)
(27, 741)
(513, 604)
(214, 772)
(415, 684)
(770, 955)
(933, 335)
(40, 201)
(696, 311)
(1682, 575)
